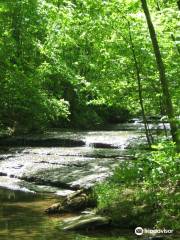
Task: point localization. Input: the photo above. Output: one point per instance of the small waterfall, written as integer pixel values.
(108, 139)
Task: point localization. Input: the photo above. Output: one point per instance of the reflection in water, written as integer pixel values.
(22, 217)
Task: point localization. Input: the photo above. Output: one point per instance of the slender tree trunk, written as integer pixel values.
(162, 114)
(137, 69)
(162, 75)
(158, 6)
(172, 35)
(17, 31)
(178, 3)
(176, 45)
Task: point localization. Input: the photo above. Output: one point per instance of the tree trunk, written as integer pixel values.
(162, 75)
(178, 3)
(137, 69)
(176, 45)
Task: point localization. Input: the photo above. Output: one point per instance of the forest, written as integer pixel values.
(84, 65)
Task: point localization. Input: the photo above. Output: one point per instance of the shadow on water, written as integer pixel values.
(22, 217)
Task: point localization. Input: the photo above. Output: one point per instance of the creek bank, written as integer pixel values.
(78, 203)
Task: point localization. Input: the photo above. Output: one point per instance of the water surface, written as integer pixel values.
(22, 217)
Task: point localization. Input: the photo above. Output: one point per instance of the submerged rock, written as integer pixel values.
(74, 202)
(89, 221)
(103, 145)
(3, 174)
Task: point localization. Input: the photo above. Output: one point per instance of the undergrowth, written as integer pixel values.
(144, 192)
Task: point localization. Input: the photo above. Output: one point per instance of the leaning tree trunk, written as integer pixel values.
(162, 75)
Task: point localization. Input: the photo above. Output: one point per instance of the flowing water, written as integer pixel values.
(32, 178)
(60, 168)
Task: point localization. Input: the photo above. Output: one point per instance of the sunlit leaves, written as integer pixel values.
(81, 49)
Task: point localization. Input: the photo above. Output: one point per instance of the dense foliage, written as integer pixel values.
(144, 192)
(70, 63)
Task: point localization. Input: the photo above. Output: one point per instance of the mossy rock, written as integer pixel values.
(74, 202)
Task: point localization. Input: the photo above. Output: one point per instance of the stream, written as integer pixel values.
(41, 168)
(78, 160)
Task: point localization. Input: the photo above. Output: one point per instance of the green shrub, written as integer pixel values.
(144, 191)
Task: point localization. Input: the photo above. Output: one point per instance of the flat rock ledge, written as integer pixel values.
(40, 142)
(90, 221)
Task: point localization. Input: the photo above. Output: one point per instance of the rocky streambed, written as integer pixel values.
(61, 162)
